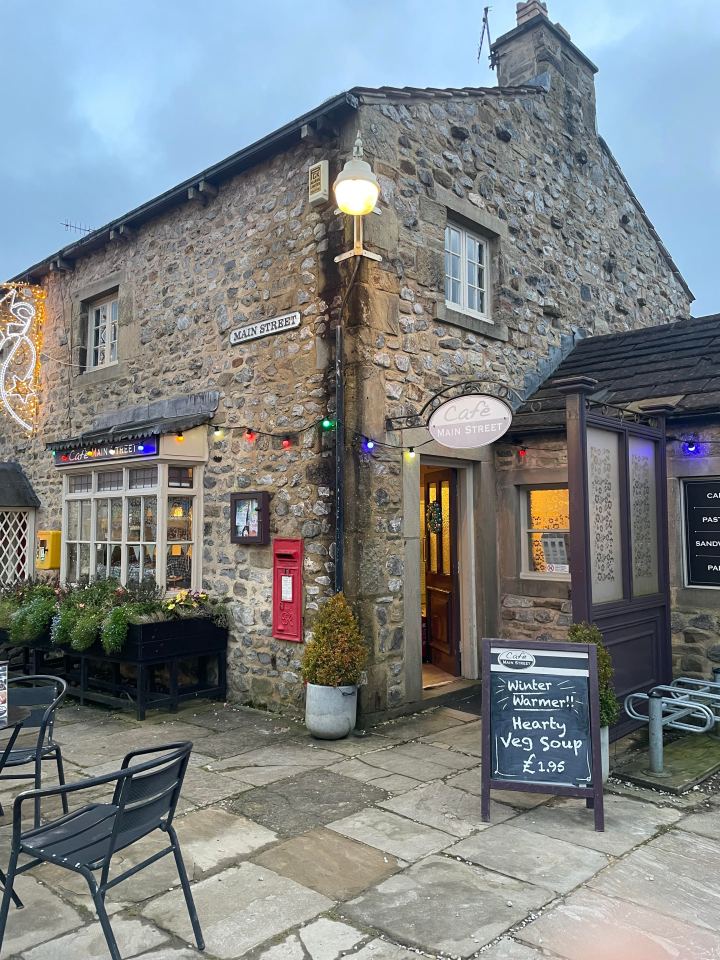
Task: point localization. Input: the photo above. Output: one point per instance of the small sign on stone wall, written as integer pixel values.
(702, 532)
(470, 421)
(264, 328)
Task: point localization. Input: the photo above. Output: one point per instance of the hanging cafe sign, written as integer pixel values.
(470, 421)
(22, 315)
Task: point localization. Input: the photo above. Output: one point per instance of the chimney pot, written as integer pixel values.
(529, 10)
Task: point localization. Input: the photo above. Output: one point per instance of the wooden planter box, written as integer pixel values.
(161, 664)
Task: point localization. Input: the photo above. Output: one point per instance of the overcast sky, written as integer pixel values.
(105, 105)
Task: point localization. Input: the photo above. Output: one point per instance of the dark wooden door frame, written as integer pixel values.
(578, 418)
(455, 588)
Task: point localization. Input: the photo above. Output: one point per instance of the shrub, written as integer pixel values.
(32, 620)
(609, 706)
(114, 630)
(336, 653)
(85, 631)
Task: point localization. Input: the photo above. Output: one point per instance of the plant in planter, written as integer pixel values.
(609, 705)
(331, 667)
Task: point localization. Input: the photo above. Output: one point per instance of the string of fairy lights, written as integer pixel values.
(22, 319)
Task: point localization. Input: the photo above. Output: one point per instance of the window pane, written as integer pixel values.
(149, 519)
(480, 302)
(455, 292)
(180, 476)
(115, 561)
(549, 509)
(72, 562)
(134, 518)
(85, 510)
(116, 518)
(179, 519)
(101, 564)
(112, 480)
(73, 512)
(643, 515)
(445, 507)
(84, 558)
(80, 483)
(549, 552)
(472, 298)
(606, 553)
(179, 563)
(101, 520)
(141, 477)
(432, 497)
(149, 554)
(133, 564)
(452, 240)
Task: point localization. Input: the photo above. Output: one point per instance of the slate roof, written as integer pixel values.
(326, 114)
(15, 489)
(676, 363)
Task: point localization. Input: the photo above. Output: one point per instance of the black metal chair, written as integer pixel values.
(85, 841)
(43, 695)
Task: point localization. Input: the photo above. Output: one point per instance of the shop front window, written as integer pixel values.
(131, 524)
(546, 532)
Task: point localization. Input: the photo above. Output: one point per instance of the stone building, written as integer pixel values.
(508, 235)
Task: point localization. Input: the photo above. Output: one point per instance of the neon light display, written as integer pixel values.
(122, 450)
(22, 315)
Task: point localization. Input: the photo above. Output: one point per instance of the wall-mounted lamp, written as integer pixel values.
(356, 192)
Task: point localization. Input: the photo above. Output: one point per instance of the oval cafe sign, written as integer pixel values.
(474, 420)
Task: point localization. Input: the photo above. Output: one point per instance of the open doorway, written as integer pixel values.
(439, 582)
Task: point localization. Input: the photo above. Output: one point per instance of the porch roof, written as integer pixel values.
(675, 363)
(15, 488)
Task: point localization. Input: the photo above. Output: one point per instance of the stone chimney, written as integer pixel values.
(541, 53)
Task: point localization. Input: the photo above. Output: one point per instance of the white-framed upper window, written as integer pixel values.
(545, 532)
(466, 272)
(102, 336)
(133, 523)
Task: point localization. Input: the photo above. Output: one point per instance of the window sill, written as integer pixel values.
(111, 371)
(472, 322)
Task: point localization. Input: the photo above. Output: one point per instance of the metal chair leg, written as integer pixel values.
(15, 898)
(182, 873)
(61, 777)
(7, 894)
(103, 918)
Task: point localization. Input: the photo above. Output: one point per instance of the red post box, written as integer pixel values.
(287, 590)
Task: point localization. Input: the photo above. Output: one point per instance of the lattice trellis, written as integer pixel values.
(14, 545)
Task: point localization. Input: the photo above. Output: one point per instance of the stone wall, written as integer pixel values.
(571, 256)
(185, 280)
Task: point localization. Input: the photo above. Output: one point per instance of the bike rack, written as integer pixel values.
(685, 704)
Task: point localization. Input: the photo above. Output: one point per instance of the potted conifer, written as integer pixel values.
(609, 706)
(332, 664)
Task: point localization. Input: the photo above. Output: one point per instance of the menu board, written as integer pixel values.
(702, 532)
(541, 720)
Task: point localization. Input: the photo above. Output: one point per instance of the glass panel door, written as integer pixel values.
(603, 455)
(643, 515)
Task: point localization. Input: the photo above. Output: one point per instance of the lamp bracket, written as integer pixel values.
(358, 249)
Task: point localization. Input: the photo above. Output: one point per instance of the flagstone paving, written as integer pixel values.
(373, 848)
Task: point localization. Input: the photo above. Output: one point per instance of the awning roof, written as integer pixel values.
(146, 420)
(15, 488)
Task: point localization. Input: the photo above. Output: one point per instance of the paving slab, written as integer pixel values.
(684, 801)
(440, 905)
(588, 926)
(706, 823)
(420, 761)
(204, 787)
(508, 949)
(419, 724)
(355, 746)
(675, 874)
(326, 939)
(466, 738)
(173, 953)
(133, 938)
(444, 807)
(392, 834)
(529, 856)
(302, 756)
(305, 801)
(627, 823)
(356, 769)
(326, 861)
(384, 950)
(215, 838)
(240, 909)
(471, 781)
(45, 916)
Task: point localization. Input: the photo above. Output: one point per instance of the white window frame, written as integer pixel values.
(162, 490)
(463, 305)
(111, 305)
(526, 530)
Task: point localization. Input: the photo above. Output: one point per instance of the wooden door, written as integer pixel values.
(442, 627)
(618, 542)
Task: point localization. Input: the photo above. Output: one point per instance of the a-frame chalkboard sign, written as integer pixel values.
(541, 721)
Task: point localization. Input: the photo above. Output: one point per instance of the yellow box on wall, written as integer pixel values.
(47, 554)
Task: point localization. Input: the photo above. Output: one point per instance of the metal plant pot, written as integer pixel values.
(330, 712)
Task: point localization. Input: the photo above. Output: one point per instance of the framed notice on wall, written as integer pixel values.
(541, 721)
(702, 532)
(250, 517)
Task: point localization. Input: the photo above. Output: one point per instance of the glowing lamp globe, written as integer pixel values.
(356, 187)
